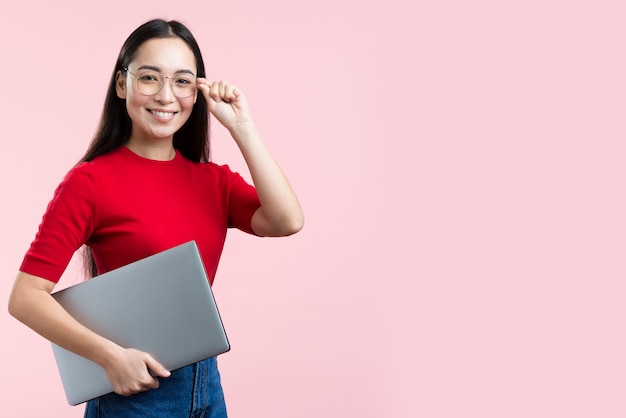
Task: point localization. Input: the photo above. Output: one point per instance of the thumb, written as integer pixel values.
(155, 368)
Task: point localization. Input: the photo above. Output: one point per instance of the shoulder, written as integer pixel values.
(211, 166)
(81, 173)
(221, 169)
(102, 164)
(88, 173)
(216, 170)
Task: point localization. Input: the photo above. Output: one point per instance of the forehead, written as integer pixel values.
(167, 54)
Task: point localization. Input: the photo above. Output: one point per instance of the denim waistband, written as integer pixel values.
(194, 391)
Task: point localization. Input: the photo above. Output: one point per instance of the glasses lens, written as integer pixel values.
(150, 82)
(184, 85)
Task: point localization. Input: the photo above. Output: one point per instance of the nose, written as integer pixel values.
(166, 94)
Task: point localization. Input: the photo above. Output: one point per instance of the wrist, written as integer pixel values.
(243, 130)
(107, 354)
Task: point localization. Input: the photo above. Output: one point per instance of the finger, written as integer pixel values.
(216, 90)
(223, 86)
(147, 383)
(203, 85)
(230, 93)
(154, 384)
(155, 368)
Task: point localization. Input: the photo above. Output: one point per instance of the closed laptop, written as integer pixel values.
(162, 305)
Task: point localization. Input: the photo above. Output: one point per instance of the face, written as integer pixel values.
(158, 116)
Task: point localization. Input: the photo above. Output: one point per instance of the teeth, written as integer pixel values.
(162, 114)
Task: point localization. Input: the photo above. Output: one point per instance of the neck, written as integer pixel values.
(153, 152)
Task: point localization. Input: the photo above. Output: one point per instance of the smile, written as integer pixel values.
(162, 114)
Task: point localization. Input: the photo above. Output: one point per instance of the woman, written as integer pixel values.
(145, 185)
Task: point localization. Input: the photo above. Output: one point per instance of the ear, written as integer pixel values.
(120, 85)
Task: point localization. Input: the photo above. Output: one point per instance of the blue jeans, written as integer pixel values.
(191, 392)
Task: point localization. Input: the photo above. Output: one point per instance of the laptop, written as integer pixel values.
(162, 305)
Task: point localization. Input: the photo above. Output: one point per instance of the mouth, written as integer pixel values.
(162, 114)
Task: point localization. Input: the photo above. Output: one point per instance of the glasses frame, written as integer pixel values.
(195, 86)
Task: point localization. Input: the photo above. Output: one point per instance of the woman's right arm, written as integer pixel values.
(127, 369)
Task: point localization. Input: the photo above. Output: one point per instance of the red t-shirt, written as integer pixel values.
(126, 207)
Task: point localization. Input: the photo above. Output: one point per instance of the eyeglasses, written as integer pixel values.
(151, 82)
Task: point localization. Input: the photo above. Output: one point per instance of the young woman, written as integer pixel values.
(145, 185)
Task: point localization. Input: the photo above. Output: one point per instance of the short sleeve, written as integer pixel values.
(243, 202)
(65, 226)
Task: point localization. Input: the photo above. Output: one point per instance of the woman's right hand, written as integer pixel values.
(132, 371)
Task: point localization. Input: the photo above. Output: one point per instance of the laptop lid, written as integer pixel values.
(162, 305)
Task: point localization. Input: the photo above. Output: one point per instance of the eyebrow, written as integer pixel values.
(157, 69)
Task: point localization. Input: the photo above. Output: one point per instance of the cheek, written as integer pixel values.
(187, 103)
(134, 101)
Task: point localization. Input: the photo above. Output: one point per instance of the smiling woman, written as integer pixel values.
(145, 185)
(156, 112)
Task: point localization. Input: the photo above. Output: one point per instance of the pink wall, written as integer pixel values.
(461, 166)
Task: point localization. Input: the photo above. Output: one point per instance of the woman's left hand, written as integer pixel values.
(226, 102)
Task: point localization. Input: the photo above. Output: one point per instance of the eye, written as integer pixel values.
(184, 81)
(149, 78)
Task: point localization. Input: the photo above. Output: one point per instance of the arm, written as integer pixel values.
(127, 369)
(280, 213)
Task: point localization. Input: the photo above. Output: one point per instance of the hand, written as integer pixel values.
(226, 102)
(132, 371)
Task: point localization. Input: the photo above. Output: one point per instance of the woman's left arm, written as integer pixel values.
(280, 213)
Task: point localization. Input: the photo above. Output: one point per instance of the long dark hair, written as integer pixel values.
(192, 139)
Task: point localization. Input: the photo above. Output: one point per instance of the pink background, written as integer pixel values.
(461, 167)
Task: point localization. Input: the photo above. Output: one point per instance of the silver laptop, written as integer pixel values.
(162, 305)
